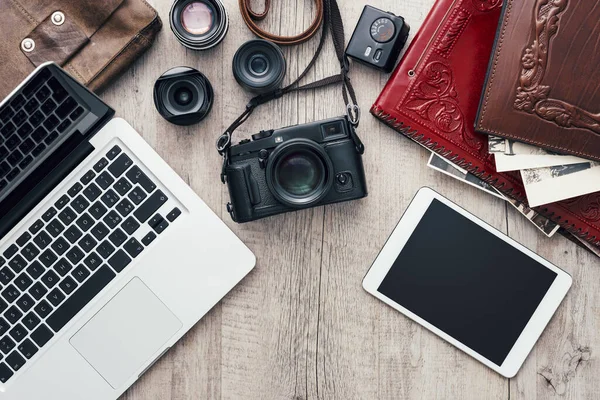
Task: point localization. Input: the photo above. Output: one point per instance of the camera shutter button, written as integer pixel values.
(262, 135)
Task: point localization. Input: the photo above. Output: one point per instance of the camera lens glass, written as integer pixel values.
(299, 173)
(199, 24)
(183, 96)
(259, 66)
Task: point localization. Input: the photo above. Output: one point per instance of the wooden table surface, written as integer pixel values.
(300, 326)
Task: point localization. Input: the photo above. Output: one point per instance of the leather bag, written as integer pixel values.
(93, 40)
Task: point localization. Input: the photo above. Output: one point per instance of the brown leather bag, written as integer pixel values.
(94, 40)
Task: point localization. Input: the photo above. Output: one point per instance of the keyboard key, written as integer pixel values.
(19, 118)
(6, 275)
(85, 222)
(12, 174)
(13, 159)
(13, 314)
(136, 175)
(25, 302)
(17, 264)
(80, 273)
(2, 261)
(149, 238)
(67, 285)
(63, 267)
(104, 180)
(30, 321)
(66, 108)
(11, 293)
(80, 204)
(48, 258)
(51, 138)
(67, 216)
(26, 146)
(88, 243)
(24, 131)
(35, 270)
(105, 249)
(26, 161)
(76, 188)
(63, 126)
(150, 206)
(113, 152)
(4, 326)
(92, 192)
(62, 202)
(24, 238)
(6, 131)
(50, 279)
(60, 246)
(112, 219)
(120, 165)
(119, 261)
(36, 118)
(17, 101)
(93, 261)
(50, 123)
(133, 247)
(100, 165)
(110, 198)
(6, 344)
(99, 231)
(118, 237)
(38, 150)
(73, 234)
(55, 228)
(130, 225)
(42, 240)
(123, 186)
(38, 291)
(43, 309)
(77, 113)
(42, 335)
(75, 255)
(97, 210)
(3, 307)
(30, 251)
(82, 296)
(39, 134)
(137, 195)
(49, 214)
(23, 281)
(48, 106)
(15, 361)
(10, 251)
(55, 297)
(172, 216)
(18, 333)
(43, 93)
(28, 349)
(5, 373)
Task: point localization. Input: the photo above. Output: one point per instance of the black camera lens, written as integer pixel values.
(259, 66)
(183, 96)
(299, 173)
(199, 24)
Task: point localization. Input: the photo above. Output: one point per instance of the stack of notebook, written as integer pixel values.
(507, 96)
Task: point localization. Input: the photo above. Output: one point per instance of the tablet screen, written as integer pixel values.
(467, 282)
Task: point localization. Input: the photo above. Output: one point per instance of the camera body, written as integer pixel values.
(294, 168)
(378, 39)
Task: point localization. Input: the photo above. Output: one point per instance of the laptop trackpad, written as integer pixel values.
(125, 333)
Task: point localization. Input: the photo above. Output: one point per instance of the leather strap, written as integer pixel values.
(251, 17)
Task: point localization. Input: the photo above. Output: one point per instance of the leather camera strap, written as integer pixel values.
(251, 17)
(332, 21)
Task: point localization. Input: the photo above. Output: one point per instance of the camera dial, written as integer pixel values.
(383, 30)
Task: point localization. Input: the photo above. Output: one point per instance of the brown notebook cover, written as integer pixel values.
(433, 97)
(543, 84)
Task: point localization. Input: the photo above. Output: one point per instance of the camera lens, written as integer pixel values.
(259, 66)
(183, 96)
(299, 173)
(199, 24)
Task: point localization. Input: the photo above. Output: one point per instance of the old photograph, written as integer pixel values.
(547, 226)
(519, 156)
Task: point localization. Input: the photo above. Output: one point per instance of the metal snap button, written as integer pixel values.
(58, 18)
(28, 45)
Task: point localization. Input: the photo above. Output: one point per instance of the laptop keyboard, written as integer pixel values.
(32, 121)
(72, 252)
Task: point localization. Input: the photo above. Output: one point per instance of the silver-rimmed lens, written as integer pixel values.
(199, 24)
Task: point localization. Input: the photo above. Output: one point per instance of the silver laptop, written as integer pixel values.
(106, 256)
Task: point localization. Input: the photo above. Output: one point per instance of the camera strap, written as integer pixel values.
(332, 21)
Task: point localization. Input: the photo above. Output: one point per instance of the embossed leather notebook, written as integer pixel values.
(433, 97)
(543, 84)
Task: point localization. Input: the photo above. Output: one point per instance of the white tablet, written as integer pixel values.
(467, 282)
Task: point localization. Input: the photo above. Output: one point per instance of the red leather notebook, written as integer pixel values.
(433, 96)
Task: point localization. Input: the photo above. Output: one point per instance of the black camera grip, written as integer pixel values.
(244, 192)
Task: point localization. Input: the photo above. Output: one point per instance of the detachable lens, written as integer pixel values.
(183, 96)
(259, 66)
(199, 24)
(299, 173)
